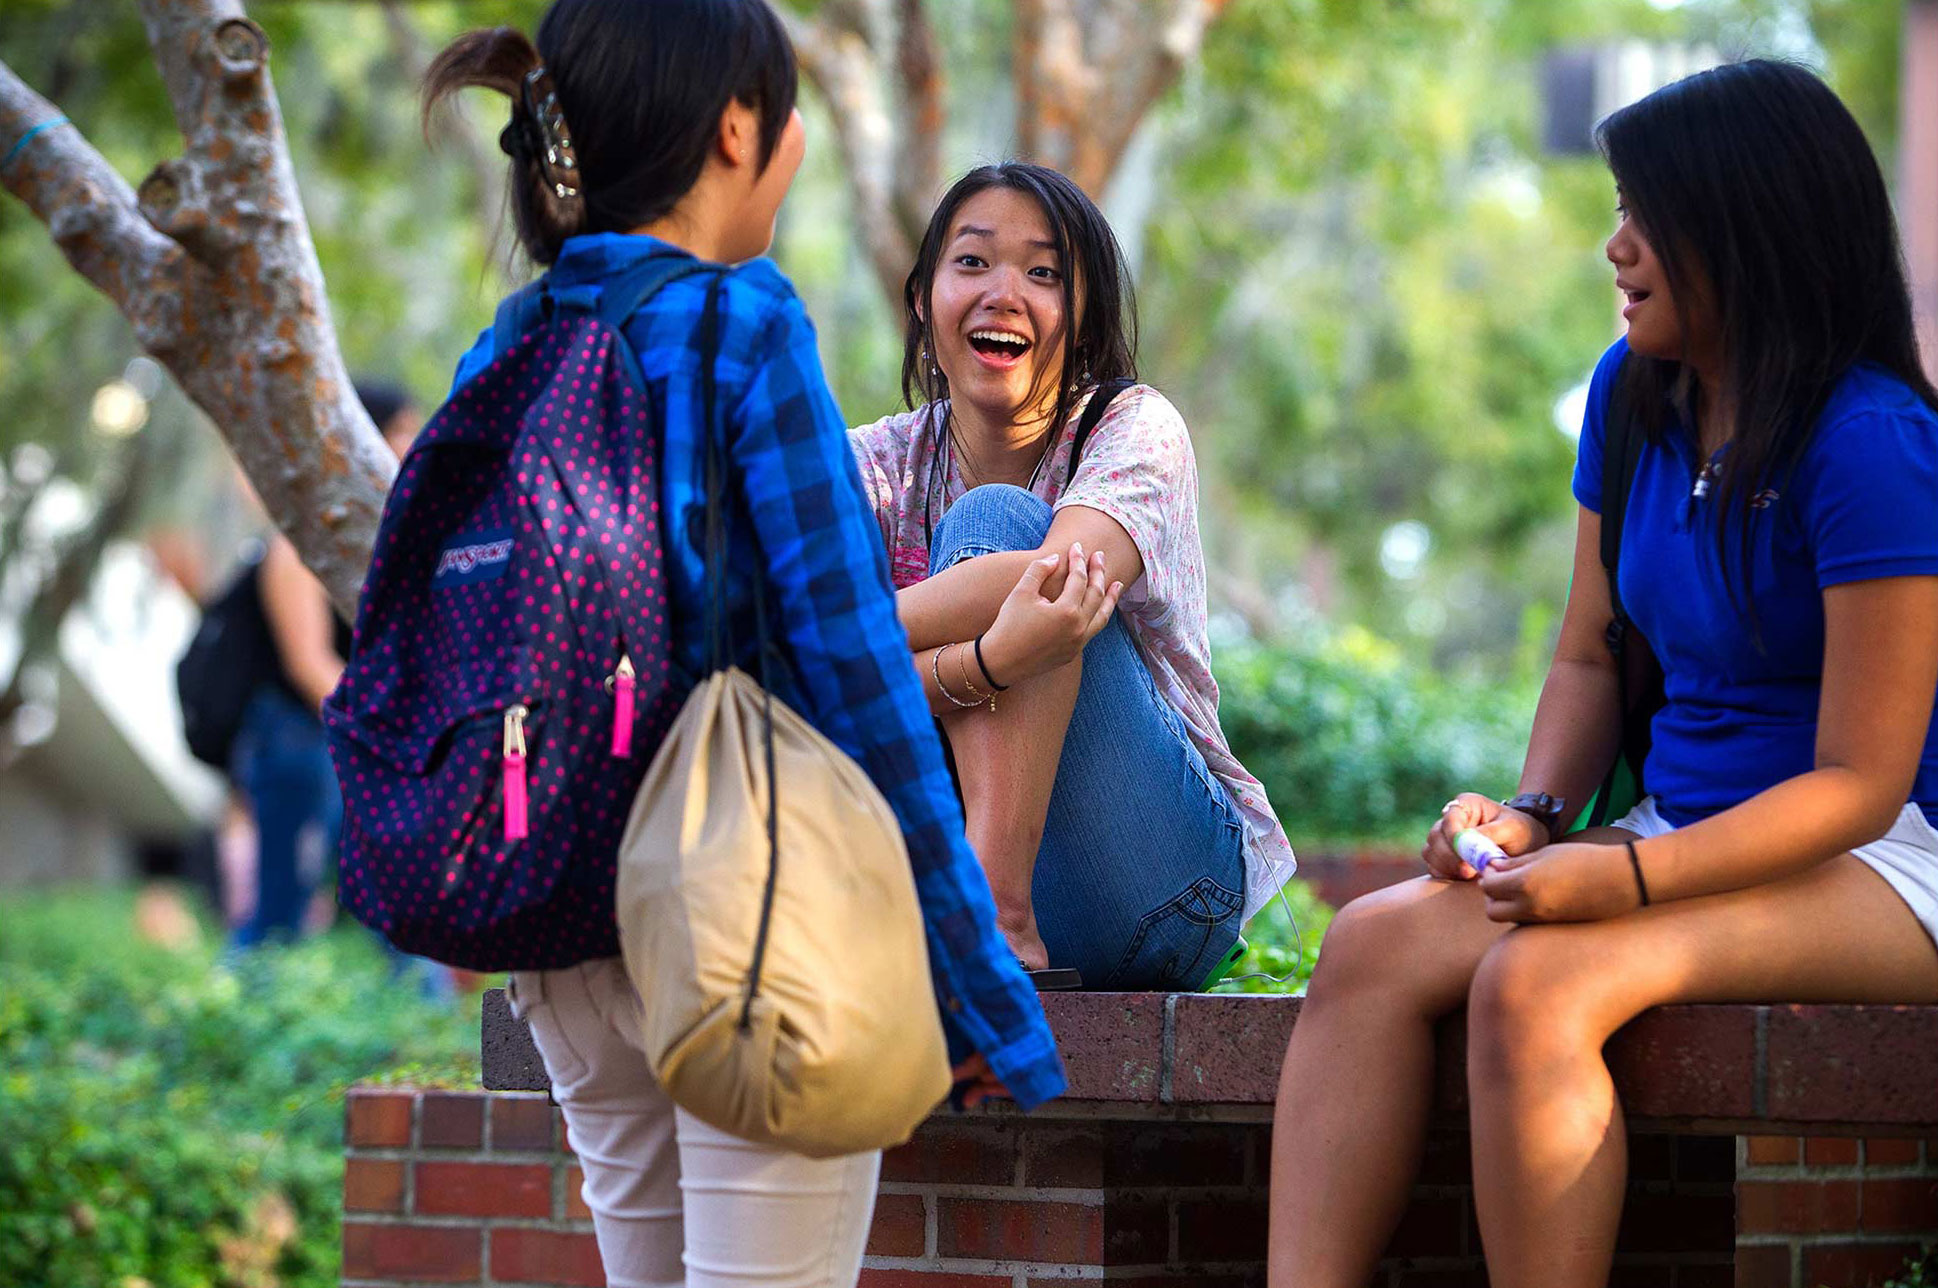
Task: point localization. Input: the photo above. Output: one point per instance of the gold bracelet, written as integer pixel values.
(962, 665)
(935, 669)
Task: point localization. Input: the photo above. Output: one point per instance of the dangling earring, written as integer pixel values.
(935, 372)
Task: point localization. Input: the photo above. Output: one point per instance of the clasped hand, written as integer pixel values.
(1035, 632)
(1539, 880)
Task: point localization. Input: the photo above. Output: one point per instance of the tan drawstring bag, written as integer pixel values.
(775, 937)
(787, 991)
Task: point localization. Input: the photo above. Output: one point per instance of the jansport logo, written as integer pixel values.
(477, 556)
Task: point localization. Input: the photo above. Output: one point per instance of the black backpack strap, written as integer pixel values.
(523, 310)
(1622, 443)
(1093, 412)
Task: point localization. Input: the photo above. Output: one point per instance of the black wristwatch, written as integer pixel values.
(1541, 807)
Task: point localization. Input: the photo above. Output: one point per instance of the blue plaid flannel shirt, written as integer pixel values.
(799, 502)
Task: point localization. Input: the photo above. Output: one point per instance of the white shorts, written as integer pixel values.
(1906, 856)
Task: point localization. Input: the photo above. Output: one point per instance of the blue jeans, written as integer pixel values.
(1140, 879)
(283, 766)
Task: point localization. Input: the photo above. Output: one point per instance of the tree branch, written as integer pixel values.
(233, 303)
(834, 51)
(918, 166)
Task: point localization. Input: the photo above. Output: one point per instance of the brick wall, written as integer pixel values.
(481, 1188)
(1833, 1210)
(462, 1187)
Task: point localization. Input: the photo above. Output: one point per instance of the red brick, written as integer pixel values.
(1431, 1227)
(484, 1189)
(1891, 1151)
(451, 1120)
(1020, 1231)
(1112, 1043)
(1064, 1158)
(1137, 1232)
(1229, 1047)
(929, 1279)
(1909, 1205)
(546, 1257)
(575, 1207)
(1705, 1158)
(1448, 1160)
(1205, 1154)
(1764, 1267)
(1853, 1064)
(378, 1119)
(521, 1122)
(373, 1185)
(1160, 1279)
(970, 1153)
(1652, 1157)
(900, 1228)
(1854, 1265)
(1686, 1062)
(1796, 1207)
(1829, 1151)
(1407, 1277)
(1225, 1229)
(414, 1253)
(1772, 1151)
(1678, 1223)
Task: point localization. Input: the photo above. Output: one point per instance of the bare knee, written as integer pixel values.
(1393, 947)
(1532, 1006)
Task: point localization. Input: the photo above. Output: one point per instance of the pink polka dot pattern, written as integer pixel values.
(551, 451)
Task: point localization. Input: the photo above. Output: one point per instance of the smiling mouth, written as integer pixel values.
(997, 345)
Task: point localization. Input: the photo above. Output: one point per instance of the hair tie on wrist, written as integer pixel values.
(1635, 864)
(984, 667)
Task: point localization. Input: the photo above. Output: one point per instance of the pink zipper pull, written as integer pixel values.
(515, 771)
(623, 685)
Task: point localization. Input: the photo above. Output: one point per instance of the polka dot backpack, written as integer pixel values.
(510, 679)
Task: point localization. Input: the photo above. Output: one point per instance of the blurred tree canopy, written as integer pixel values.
(1360, 277)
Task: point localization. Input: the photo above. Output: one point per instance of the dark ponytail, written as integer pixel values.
(616, 126)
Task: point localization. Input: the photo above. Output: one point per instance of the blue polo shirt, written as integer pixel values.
(1741, 714)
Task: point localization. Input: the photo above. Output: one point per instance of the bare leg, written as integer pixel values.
(1358, 1077)
(1549, 1152)
(1007, 759)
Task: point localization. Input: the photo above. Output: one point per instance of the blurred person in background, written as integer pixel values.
(282, 765)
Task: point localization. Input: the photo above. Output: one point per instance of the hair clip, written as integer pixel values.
(558, 158)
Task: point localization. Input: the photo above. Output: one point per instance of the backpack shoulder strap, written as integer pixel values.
(1622, 444)
(523, 310)
(1093, 412)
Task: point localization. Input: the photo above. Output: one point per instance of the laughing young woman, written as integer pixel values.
(1780, 554)
(1120, 836)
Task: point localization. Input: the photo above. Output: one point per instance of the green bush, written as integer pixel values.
(1352, 743)
(174, 1122)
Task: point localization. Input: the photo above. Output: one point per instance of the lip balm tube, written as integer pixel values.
(1476, 849)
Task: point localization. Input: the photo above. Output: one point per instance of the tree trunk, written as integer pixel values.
(212, 264)
(1087, 74)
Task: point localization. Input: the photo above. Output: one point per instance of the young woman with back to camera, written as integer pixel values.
(681, 114)
(1779, 552)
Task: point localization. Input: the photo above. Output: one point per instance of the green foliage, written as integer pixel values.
(1282, 944)
(1920, 1271)
(1352, 741)
(177, 1121)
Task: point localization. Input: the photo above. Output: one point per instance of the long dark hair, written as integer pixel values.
(640, 88)
(1753, 183)
(1099, 346)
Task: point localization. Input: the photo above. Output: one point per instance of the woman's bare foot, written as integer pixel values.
(1019, 930)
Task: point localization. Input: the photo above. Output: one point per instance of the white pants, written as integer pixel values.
(663, 1186)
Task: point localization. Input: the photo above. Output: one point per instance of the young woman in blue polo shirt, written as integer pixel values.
(1780, 554)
